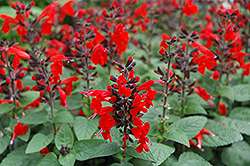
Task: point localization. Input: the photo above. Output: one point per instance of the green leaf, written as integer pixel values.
(18, 157)
(161, 152)
(126, 164)
(237, 154)
(238, 125)
(64, 137)
(68, 159)
(243, 92)
(226, 91)
(4, 142)
(38, 142)
(35, 118)
(74, 101)
(88, 149)
(194, 108)
(63, 116)
(84, 128)
(177, 135)
(50, 160)
(191, 159)
(241, 113)
(190, 125)
(143, 155)
(5, 107)
(224, 135)
(28, 97)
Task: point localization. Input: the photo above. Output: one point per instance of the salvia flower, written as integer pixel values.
(19, 129)
(127, 102)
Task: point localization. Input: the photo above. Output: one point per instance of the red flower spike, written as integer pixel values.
(222, 109)
(19, 129)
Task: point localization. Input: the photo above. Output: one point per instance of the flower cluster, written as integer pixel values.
(128, 102)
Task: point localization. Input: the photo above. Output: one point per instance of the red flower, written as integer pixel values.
(68, 82)
(246, 67)
(163, 43)
(66, 9)
(141, 11)
(46, 27)
(8, 20)
(215, 75)
(222, 109)
(229, 35)
(239, 56)
(44, 151)
(203, 93)
(63, 97)
(189, 8)
(100, 55)
(120, 38)
(199, 138)
(19, 129)
(18, 52)
(50, 11)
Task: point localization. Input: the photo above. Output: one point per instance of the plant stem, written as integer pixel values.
(166, 83)
(12, 84)
(51, 103)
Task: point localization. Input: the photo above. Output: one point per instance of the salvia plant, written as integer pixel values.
(125, 82)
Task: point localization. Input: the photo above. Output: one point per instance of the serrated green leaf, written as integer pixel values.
(68, 159)
(88, 149)
(161, 152)
(238, 125)
(64, 137)
(191, 159)
(226, 91)
(143, 155)
(4, 142)
(191, 125)
(84, 128)
(5, 107)
(241, 113)
(224, 135)
(18, 157)
(28, 97)
(74, 101)
(126, 164)
(63, 116)
(243, 92)
(177, 135)
(38, 142)
(50, 160)
(237, 154)
(194, 108)
(35, 118)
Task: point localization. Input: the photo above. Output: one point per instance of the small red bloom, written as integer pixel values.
(215, 75)
(203, 93)
(63, 97)
(189, 8)
(199, 138)
(100, 55)
(229, 35)
(120, 38)
(44, 151)
(19, 129)
(222, 109)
